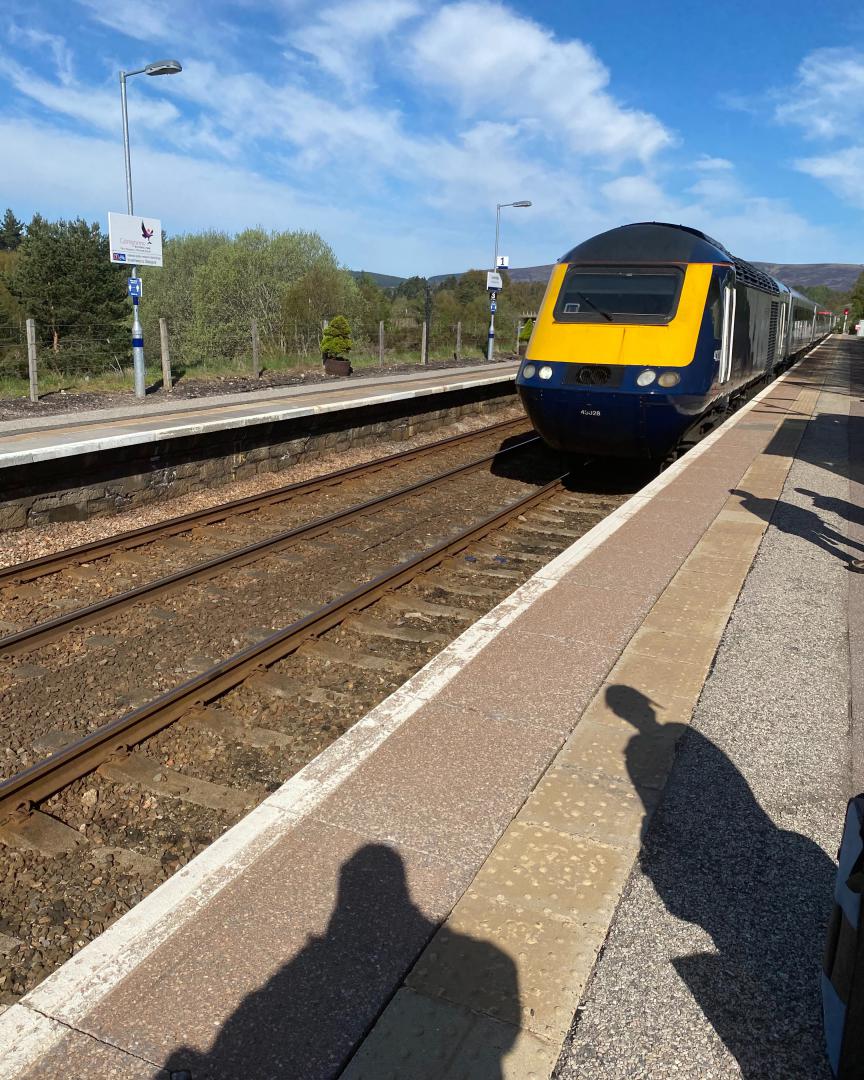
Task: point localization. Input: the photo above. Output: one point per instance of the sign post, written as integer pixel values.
(493, 284)
(135, 241)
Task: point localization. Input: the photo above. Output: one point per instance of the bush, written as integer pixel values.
(525, 332)
(336, 342)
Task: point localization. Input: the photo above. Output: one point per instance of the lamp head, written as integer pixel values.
(522, 202)
(163, 67)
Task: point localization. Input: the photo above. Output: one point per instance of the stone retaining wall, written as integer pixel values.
(107, 481)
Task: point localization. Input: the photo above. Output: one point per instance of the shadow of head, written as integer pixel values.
(633, 706)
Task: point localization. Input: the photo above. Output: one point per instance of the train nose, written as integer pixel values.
(586, 421)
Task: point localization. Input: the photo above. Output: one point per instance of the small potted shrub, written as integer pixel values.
(335, 346)
(525, 336)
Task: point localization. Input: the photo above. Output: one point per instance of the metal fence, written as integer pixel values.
(34, 357)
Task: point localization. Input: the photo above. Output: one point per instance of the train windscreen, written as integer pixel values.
(619, 294)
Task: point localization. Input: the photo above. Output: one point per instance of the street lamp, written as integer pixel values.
(492, 294)
(158, 67)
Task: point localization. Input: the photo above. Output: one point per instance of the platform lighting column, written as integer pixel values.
(498, 207)
(158, 67)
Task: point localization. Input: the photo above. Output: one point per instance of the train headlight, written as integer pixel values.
(545, 372)
(646, 377)
(669, 378)
(528, 371)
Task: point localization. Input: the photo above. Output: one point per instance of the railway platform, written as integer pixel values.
(85, 464)
(602, 819)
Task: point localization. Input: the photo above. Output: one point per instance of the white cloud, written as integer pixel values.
(99, 108)
(491, 60)
(827, 98)
(712, 164)
(340, 39)
(842, 171)
(57, 46)
(150, 21)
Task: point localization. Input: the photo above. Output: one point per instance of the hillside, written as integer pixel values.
(841, 276)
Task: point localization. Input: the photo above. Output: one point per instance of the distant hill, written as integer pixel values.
(841, 276)
(383, 281)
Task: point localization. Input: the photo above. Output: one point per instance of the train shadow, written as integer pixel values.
(308, 1018)
(539, 464)
(761, 893)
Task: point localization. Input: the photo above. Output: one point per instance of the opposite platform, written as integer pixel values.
(23, 442)
(495, 805)
(98, 463)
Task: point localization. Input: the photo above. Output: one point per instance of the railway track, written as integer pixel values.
(94, 825)
(135, 539)
(50, 630)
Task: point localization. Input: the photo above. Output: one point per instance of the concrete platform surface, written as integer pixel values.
(428, 898)
(26, 441)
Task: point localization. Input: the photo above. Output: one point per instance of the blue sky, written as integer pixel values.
(393, 127)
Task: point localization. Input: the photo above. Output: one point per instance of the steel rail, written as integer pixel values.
(47, 631)
(147, 534)
(45, 778)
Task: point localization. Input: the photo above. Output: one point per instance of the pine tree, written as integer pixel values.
(11, 232)
(63, 278)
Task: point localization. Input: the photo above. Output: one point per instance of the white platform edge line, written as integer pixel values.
(89, 976)
(91, 417)
(95, 444)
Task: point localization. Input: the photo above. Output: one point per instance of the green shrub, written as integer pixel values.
(525, 332)
(336, 341)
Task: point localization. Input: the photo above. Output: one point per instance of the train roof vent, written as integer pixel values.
(757, 279)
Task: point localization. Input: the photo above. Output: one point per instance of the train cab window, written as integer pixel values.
(619, 294)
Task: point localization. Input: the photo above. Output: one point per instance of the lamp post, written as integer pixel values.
(158, 67)
(492, 293)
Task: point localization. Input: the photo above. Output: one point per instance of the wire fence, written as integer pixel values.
(69, 355)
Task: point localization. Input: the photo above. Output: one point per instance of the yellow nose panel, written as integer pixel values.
(671, 345)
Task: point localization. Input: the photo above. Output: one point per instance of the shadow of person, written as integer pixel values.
(761, 893)
(851, 513)
(797, 521)
(307, 1019)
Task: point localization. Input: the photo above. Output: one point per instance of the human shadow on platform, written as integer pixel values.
(831, 441)
(306, 1021)
(762, 894)
(807, 524)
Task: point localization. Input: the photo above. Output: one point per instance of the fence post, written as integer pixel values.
(381, 342)
(518, 335)
(256, 350)
(424, 359)
(31, 360)
(459, 340)
(167, 384)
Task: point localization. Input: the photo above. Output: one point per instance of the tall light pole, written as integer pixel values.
(492, 293)
(158, 67)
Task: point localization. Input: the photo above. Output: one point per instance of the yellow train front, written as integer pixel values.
(648, 334)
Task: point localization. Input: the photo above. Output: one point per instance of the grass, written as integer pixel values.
(13, 386)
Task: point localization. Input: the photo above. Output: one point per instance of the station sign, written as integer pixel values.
(135, 287)
(134, 240)
(493, 280)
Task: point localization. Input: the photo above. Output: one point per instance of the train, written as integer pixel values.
(650, 334)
